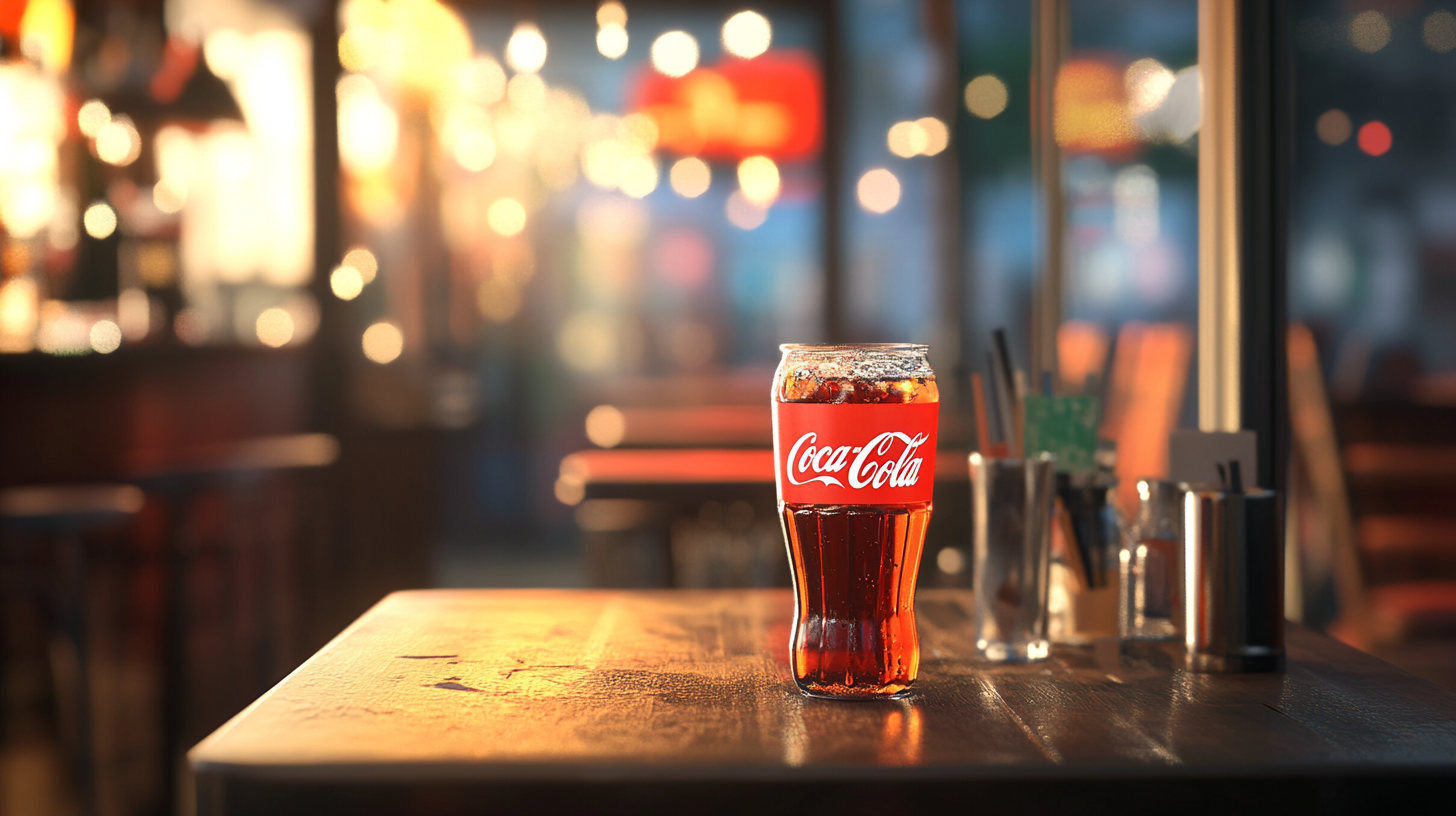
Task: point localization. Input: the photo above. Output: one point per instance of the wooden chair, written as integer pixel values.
(1391, 609)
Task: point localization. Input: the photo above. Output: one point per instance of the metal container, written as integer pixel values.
(1233, 580)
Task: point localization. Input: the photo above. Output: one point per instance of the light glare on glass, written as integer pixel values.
(878, 191)
(986, 96)
(274, 327)
(675, 53)
(758, 177)
(99, 220)
(690, 177)
(506, 216)
(383, 342)
(747, 34)
(526, 50)
(612, 41)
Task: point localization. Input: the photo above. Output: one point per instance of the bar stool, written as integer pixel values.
(63, 515)
(179, 483)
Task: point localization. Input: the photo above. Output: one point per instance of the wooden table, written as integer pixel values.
(547, 701)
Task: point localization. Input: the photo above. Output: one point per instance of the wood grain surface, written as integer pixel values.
(633, 702)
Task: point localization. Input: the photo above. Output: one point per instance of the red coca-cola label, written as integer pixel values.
(856, 453)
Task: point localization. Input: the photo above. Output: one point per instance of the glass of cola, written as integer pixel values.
(854, 452)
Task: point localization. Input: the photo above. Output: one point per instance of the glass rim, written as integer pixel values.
(814, 348)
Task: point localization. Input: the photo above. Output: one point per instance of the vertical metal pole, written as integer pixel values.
(835, 206)
(1050, 35)
(1219, 316)
(949, 337)
(1265, 156)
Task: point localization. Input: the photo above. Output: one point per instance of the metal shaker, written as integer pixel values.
(1233, 596)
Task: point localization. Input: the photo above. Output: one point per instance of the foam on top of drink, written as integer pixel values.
(881, 373)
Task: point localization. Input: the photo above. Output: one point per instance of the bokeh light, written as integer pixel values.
(225, 51)
(612, 41)
(675, 53)
(937, 135)
(360, 47)
(482, 80)
(611, 13)
(191, 327)
(499, 300)
(169, 197)
(274, 327)
(526, 50)
(986, 96)
(1333, 127)
(744, 214)
(1438, 31)
(906, 139)
(526, 92)
(1374, 138)
(383, 342)
(637, 176)
(118, 143)
(878, 191)
(758, 177)
(1148, 82)
(690, 177)
(346, 282)
(474, 150)
(92, 117)
(950, 561)
(364, 261)
(1369, 31)
(105, 337)
(506, 216)
(99, 220)
(606, 427)
(747, 34)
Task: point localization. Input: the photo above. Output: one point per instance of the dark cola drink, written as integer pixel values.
(854, 450)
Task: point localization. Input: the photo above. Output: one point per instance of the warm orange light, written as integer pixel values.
(766, 106)
(47, 29)
(1081, 351)
(1090, 108)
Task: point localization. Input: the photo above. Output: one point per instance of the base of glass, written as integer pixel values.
(1255, 659)
(838, 692)
(1026, 651)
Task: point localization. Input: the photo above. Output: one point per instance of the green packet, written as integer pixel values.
(1065, 427)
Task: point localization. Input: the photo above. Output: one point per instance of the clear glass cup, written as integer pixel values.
(1012, 505)
(1150, 565)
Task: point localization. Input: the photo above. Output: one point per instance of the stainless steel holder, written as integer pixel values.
(1233, 583)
